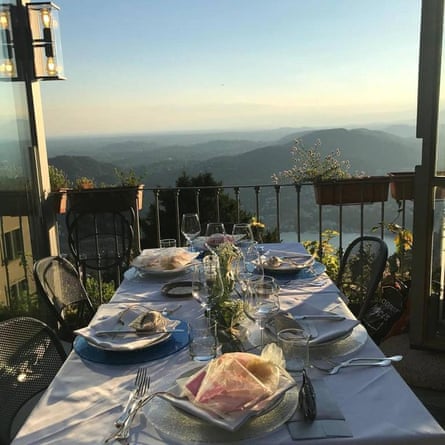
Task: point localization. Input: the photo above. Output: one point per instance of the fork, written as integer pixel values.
(124, 431)
(139, 380)
(138, 402)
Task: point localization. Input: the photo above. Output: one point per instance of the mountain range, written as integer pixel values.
(232, 161)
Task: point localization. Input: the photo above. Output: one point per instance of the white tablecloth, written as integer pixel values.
(85, 397)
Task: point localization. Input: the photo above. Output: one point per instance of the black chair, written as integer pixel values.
(59, 285)
(30, 357)
(361, 270)
(101, 243)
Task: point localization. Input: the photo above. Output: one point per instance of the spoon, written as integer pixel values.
(364, 361)
(165, 312)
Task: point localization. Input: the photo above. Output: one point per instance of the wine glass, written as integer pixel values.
(190, 227)
(243, 235)
(261, 301)
(215, 232)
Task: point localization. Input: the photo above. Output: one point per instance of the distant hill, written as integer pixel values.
(243, 162)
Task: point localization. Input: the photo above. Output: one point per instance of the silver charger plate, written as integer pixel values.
(182, 427)
(349, 343)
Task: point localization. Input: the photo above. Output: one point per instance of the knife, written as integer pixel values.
(333, 317)
(116, 332)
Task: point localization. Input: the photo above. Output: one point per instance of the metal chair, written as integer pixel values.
(59, 285)
(101, 243)
(30, 357)
(361, 270)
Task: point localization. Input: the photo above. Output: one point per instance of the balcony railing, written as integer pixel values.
(288, 210)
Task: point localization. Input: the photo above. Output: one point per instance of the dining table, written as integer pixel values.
(356, 405)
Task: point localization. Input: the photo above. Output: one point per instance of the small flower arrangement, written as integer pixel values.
(227, 311)
(309, 165)
(257, 229)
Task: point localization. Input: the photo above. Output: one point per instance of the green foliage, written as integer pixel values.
(327, 253)
(99, 292)
(58, 179)
(308, 164)
(128, 178)
(84, 183)
(207, 207)
(399, 264)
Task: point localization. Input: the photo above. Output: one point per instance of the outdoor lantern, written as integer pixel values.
(45, 36)
(8, 67)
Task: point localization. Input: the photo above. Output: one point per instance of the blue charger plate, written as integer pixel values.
(176, 342)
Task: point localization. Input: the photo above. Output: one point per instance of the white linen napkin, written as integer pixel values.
(321, 331)
(112, 317)
(229, 421)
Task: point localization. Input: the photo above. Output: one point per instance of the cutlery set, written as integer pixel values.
(137, 399)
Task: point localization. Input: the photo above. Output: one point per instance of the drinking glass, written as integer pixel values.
(295, 345)
(190, 227)
(207, 283)
(203, 339)
(243, 231)
(261, 301)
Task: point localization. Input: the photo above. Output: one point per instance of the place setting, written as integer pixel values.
(233, 396)
(131, 333)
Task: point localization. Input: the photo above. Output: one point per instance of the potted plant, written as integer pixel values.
(87, 198)
(333, 184)
(60, 184)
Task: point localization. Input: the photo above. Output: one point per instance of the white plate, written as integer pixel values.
(148, 262)
(289, 261)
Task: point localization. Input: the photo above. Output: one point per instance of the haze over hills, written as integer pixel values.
(235, 161)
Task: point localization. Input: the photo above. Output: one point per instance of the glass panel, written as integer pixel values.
(17, 289)
(438, 261)
(441, 119)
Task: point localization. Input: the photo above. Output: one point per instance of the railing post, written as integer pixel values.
(257, 202)
(277, 206)
(158, 218)
(238, 203)
(178, 221)
(298, 191)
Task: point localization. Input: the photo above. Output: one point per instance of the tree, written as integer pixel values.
(187, 204)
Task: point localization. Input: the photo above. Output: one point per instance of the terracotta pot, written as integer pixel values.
(352, 191)
(402, 185)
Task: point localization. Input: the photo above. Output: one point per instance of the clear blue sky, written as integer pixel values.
(171, 65)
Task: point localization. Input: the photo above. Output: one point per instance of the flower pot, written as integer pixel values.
(59, 200)
(402, 185)
(352, 191)
(105, 199)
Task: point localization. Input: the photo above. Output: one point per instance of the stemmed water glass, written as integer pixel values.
(190, 227)
(243, 235)
(261, 301)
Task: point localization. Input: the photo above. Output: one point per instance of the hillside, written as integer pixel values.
(232, 162)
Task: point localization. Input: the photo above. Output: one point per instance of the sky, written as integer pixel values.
(147, 66)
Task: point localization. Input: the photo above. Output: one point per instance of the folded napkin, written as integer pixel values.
(321, 331)
(112, 317)
(329, 421)
(235, 385)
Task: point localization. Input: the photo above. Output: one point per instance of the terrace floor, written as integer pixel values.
(423, 371)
